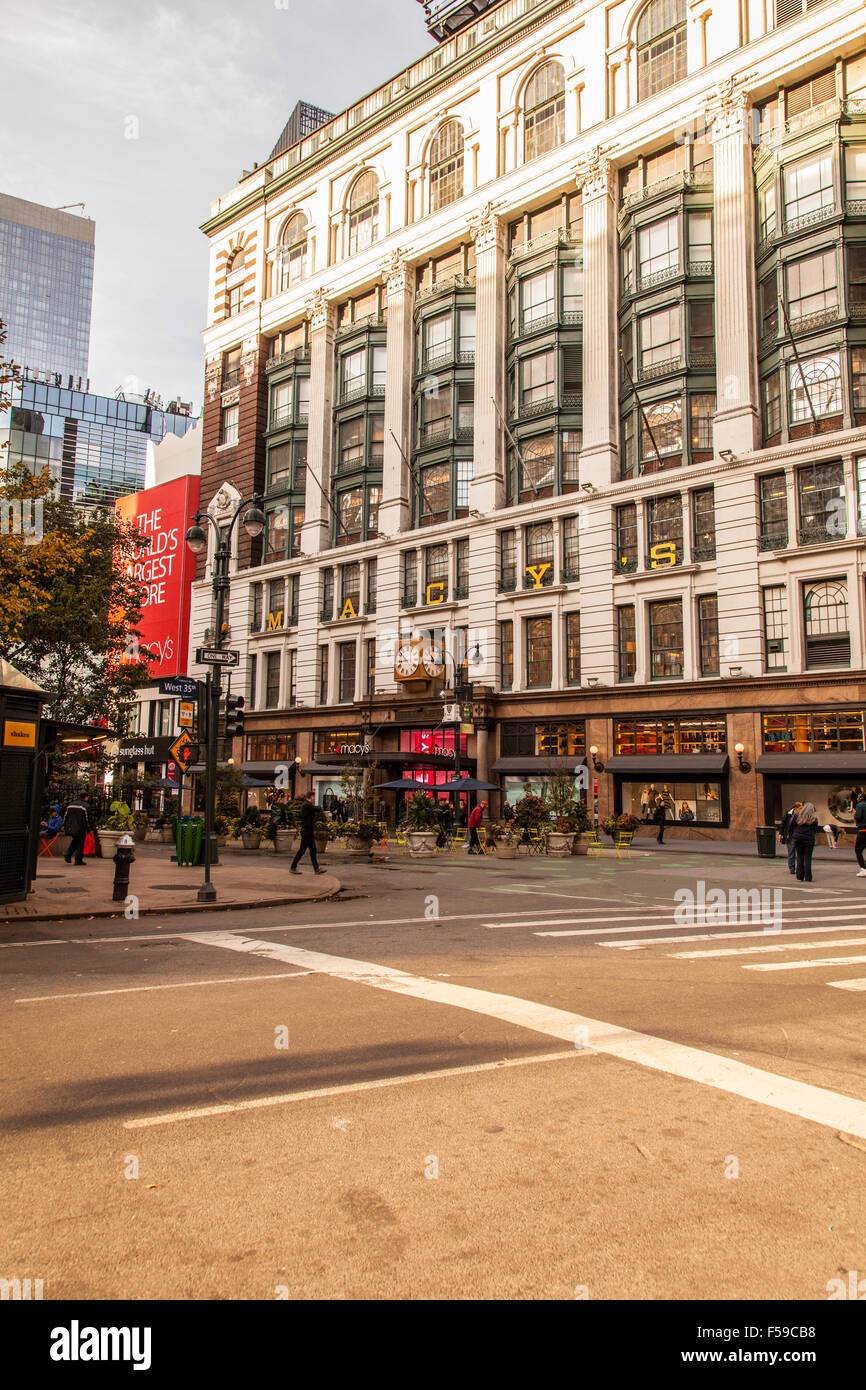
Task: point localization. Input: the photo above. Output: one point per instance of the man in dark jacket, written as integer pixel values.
(76, 823)
(786, 835)
(660, 815)
(308, 839)
(860, 842)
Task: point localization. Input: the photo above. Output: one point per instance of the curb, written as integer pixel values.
(170, 910)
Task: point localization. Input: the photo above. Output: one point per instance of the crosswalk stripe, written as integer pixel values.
(758, 950)
(640, 943)
(847, 984)
(650, 916)
(809, 964)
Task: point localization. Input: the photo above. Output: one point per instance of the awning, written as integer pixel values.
(320, 770)
(267, 770)
(813, 764)
(545, 764)
(668, 765)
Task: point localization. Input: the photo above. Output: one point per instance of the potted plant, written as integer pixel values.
(251, 828)
(221, 830)
(422, 825)
(361, 835)
(119, 821)
(560, 838)
(625, 823)
(608, 825)
(141, 821)
(505, 840)
(530, 813)
(283, 825)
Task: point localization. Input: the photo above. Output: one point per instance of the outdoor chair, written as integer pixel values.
(46, 841)
(623, 843)
(595, 846)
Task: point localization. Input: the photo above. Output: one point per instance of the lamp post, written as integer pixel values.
(196, 538)
(462, 691)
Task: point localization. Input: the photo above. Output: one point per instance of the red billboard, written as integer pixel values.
(165, 569)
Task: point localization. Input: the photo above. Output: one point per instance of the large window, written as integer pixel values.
(544, 110)
(363, 212)
(627, 649)
(326, 611)
(572, 649)
(537, 377)
(446, 165)
(708, 634)
(821, 502)
(517, 740)
(539, 653)
(229, 424)
(507, 561)
(813, 731)
(814, 384)
(538, 571)
(292, 261)
(775, 628)
(687, 803)
(773, 509)
(626, 538)
(537, 300)
(703, 524)
(808, 190)
(272, 680)
(651, 737)
(660, 342)
(538, 462)
(661, 46)
(571, 548)
(811, 289)
(437, 339)
(825, 621)
(436, 573)
(346, 655)
(661, 431)
(703, 408)
(855, 174)
(659, 252)
(323, 675)
(666, 640)
(506, 655)
(410, 579)
(665, 531)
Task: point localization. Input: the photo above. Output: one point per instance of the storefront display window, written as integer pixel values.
(438, 741)
(813, 731)
(686, 803)
(270, 748)
(543, 740)
(670, 736)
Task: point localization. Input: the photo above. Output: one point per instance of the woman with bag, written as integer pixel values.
(804, 827)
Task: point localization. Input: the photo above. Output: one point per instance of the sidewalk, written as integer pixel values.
(62, 891)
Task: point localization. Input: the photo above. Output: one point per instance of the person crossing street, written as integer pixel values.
(308, 838)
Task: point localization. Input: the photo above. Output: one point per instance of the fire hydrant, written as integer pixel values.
(124, 857)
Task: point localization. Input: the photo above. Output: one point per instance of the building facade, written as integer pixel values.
(548, 358)
(46, 286)
(94, 446)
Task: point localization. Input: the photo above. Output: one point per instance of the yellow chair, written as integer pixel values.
(537, 842)
(623, 843)
(459, 835)
(400, 836)
(483, 845)
(593, 842)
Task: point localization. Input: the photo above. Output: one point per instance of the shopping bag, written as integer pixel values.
(89, 843)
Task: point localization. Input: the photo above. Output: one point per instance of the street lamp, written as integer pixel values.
(462, 691)
(254, 522)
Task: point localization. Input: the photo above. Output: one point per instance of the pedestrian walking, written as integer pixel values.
(804, 830)
(860, 842)
(77, 822)
(308, 838)
(786, 832)
(475, 817)
(659, 817)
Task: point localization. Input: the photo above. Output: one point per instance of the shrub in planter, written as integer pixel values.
(221, 829)
(422, 824)
(141, 821)
(120, 818)
(608, 825)
(626, 822)
(360, 835)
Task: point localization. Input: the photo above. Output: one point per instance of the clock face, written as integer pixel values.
(431, 656)
(408, 658)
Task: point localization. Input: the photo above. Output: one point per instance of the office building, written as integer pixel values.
(549, 359)
(46, 286)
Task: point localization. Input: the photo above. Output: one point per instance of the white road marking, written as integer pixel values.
(289, 1097)
(847, 984)
(142, 989)
(758, 950)
(675, 1059)
(639, 943)
(809, 964)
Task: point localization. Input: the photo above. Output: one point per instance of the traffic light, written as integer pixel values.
(234, 715)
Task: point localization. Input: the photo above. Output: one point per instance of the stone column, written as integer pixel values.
(487, 490)
(320, 435)
(395, 508)
(599, 459)
(737, 421)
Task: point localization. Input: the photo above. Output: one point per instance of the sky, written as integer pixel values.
(204, 88)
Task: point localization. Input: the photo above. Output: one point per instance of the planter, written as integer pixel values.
(251, 839)
(581, 844)
(559, 843)
(139, 834)
(221, 841)
(108, 840)
(422, 843)
(321, 843)
(359, 847)
(506, 851)
(284, 841)
(166, 836)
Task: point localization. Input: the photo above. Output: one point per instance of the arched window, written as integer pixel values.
(363, 213)
(446, 165)
(661, 46)
(544, 111)
(826, 608)
(293, 251)
(236, 261)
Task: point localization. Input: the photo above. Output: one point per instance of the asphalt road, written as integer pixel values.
(541, 1083)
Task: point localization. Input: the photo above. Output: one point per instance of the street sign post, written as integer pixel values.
(186, 714)
(184, 686)
(212, 656)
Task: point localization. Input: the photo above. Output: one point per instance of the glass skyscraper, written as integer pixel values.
(95, 446)
(46, 287)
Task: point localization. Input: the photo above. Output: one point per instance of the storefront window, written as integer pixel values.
(686, 803)
(438, 741)
(809, 731)
(542, 740)
(270, 748)
(670, 736)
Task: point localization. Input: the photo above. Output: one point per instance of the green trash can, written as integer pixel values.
(766, 837)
